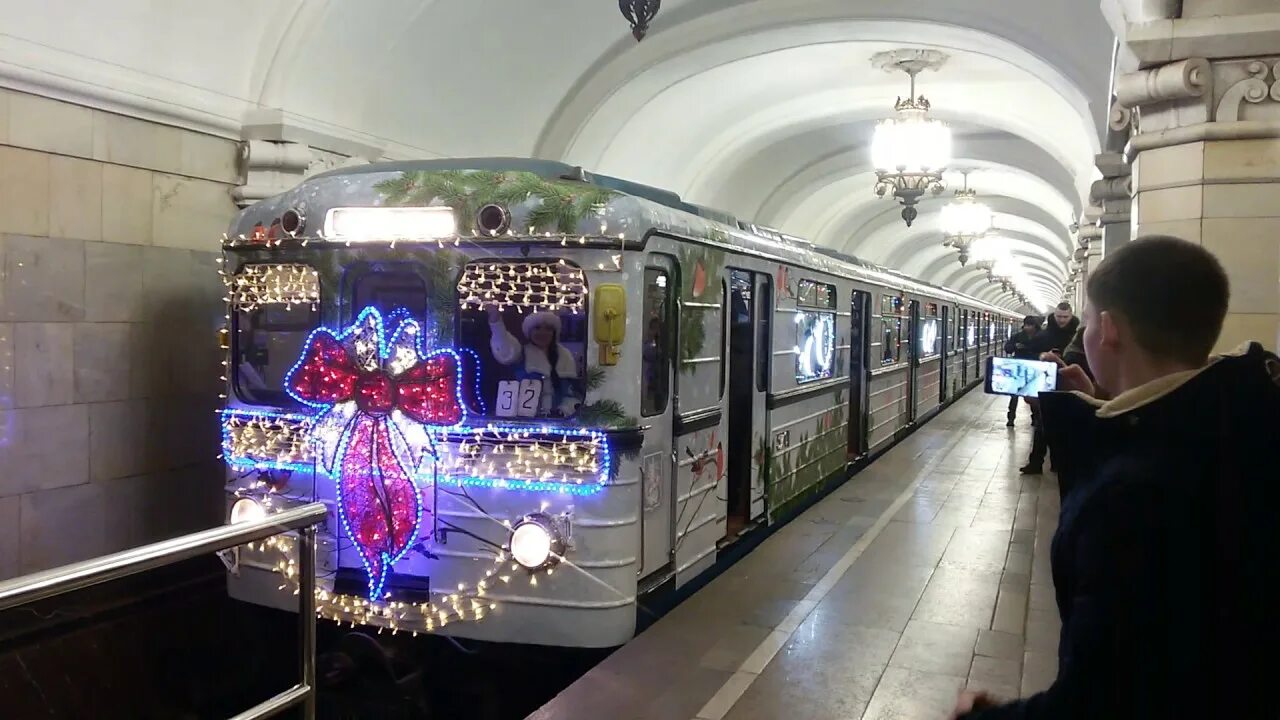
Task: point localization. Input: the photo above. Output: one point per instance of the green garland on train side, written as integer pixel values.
(562, 205)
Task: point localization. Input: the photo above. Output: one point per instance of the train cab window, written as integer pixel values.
(275, 309)
(390, 287)
(655, 374)
(526, 323)
(815, 346)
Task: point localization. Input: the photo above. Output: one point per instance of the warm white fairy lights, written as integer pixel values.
(516, 457)
(527, 286)
(273, 284)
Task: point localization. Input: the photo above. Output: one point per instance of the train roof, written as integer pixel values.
(637, 204)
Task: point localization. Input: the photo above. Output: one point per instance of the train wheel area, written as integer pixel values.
(926, 571)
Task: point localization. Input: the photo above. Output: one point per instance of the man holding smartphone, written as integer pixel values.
(1019, 346)
(1165, 561)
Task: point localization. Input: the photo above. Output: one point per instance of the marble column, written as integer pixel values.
(1199, 84)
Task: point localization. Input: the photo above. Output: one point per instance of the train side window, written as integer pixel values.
(890, 330)
(764, 329)
(655, 376)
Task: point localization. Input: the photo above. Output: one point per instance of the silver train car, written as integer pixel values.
(530, 395)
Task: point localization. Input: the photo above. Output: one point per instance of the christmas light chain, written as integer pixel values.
(532, 286)
(261, 284)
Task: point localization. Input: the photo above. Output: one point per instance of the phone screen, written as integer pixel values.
(1025, 378)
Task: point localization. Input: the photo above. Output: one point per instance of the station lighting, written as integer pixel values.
(381, 224)
(910, 150)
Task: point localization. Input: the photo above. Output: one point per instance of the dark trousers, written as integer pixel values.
(1013, 409)
(1039, 445)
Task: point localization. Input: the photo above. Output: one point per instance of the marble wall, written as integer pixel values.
(110, 304)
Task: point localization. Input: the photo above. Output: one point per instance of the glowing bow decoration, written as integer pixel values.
(380, 401)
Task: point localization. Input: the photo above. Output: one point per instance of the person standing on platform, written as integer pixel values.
(1019, 346)
(1054, 340)
(1165, 558)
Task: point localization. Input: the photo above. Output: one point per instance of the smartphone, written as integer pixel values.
(1023, 378)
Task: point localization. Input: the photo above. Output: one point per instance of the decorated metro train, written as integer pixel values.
(530, 395)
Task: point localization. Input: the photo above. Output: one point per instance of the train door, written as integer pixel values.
(760, 405)
(657, 469)
(859, 371)
(746, 405)
(913, 359)
(945, 360)
(962, 340)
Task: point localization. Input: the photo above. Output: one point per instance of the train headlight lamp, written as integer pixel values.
(384, 224)
(247, 510)
(536, 542)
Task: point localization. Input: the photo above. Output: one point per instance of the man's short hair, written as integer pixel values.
(1035, 320)
(1064, 307)
(1172, 293)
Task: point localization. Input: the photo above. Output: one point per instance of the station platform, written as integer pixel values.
(927, 572)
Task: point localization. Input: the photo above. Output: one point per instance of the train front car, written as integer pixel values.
(441, 356)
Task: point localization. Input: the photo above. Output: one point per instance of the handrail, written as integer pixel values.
(77, 576)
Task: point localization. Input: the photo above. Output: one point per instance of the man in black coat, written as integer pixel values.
(1166, 561)
(1061, 329)
(1019, 346)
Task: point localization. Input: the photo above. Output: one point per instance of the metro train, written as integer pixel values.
(531, 395)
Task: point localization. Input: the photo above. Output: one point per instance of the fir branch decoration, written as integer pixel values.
(604, 414)
(594, 379)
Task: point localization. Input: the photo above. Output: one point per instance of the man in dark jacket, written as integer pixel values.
(1019, 346)
(1165, 558)
(1058, 332)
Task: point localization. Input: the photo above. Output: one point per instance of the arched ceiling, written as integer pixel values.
(763, 108)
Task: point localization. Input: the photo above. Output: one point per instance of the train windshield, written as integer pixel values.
(526, 322)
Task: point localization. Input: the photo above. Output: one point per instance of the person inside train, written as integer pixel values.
(1018, 346)
(543, 358)
(1164, 560)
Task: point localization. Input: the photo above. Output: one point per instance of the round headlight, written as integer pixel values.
(532, 544)
(246, 510)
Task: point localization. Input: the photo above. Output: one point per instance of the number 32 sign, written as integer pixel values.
(519, 398)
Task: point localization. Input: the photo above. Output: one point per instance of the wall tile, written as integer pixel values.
(1188, 230)
(1183, 203)
(24, 185)
(62, 526)
(210, 158)
(1172, 166)
(43, 448)
(102, 354)
(43, 364)
(192, 214)
(113, 283)
(53, 126)
(1242, 200)
(75, 198)
(4, 116)
(1249, 250)
(43, 279)
(126, 205)
(9, 537)
(1241, 160)
(147, 361)
(119, 445)
(129, 141)
(6, 366)
(1240, 328)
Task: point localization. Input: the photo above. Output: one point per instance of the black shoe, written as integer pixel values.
(1030, 470)
(1010, 423)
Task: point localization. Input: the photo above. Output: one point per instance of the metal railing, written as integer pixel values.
(77, 576)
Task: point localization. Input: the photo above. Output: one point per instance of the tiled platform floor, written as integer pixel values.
(928, 571)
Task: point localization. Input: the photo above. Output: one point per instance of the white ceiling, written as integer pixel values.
(760, 107)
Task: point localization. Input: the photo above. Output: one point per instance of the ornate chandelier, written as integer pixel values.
(639, 13)
(964, 220)
(910, 150)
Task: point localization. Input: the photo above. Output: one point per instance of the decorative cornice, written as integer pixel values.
(1240, 130)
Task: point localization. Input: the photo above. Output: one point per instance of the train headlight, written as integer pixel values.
(247, 510)
(535, 542)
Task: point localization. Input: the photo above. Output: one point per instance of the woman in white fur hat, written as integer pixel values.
(544, 357)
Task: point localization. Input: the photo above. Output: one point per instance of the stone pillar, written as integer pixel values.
(1201, 83)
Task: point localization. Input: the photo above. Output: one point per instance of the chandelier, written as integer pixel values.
(639, 13)
(964, 220)
(910, 150)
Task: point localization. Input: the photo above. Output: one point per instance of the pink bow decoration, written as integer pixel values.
(380, 400)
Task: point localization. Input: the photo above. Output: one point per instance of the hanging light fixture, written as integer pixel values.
(964, 220)
(639, 13)
(910, 150)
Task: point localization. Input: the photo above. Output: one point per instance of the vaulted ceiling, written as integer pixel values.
(764, 108)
